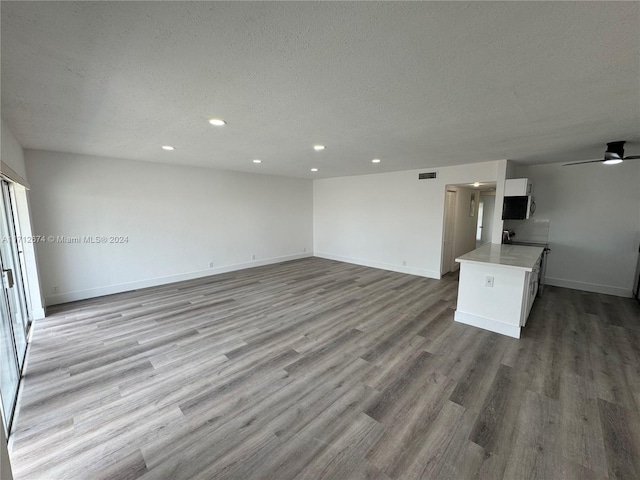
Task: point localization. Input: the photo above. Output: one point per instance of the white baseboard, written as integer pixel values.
(154, 282)
(37, 313)
(589, 287)
(383, 266)
(487, 324)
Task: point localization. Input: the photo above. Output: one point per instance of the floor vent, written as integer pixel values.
(425, 176)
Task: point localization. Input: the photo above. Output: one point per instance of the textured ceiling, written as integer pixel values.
(415, 84)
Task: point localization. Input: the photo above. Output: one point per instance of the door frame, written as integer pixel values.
(14, 302)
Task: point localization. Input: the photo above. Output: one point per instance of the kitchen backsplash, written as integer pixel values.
(530, 230)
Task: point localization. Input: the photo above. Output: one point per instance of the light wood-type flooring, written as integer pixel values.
(317, 369)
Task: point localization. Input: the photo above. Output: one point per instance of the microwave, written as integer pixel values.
(518, 208)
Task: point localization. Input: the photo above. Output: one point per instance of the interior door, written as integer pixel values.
(489, 202)
(448, 234)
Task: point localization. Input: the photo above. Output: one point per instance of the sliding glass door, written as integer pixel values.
(13, 305)
(9, 372)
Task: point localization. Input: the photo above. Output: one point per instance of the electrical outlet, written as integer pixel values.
(253, 257)
(54, 289)
(404, 263)
(488, 281)
(210, 264)
(304, 250)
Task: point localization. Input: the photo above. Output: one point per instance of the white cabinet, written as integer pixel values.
(531, 292)
(517, 187)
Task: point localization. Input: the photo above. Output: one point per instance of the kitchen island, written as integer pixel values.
(498, 285)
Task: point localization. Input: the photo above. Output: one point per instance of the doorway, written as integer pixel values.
(486, 210)
(468, 220)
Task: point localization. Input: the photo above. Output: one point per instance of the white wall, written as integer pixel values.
(379, 220)
(505, 170)
(11, 151)
(594, 213)
(177, 220)
(383, 220)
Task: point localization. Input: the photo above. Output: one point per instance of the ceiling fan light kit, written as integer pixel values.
(612, 161)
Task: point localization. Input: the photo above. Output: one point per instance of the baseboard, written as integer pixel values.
(37, 313)
(383, 266)
(487, 324)
(589, 287)
(154, 282)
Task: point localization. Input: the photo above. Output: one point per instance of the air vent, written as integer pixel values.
(426, 176)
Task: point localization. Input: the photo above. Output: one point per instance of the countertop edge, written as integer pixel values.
(493, 258)
(492, 264)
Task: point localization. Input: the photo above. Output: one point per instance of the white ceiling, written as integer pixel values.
(415, 84)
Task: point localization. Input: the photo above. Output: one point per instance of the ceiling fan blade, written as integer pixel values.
(580, 163)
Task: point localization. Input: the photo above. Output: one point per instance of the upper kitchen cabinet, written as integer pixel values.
(517, 187)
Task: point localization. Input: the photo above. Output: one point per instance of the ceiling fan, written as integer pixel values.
(613, 155)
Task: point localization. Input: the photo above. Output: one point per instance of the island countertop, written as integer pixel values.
(512, 256)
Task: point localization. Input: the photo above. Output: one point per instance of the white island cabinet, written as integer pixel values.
(498, 285)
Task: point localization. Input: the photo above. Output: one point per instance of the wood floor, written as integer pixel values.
(316, 369)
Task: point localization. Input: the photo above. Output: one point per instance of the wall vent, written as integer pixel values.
(425, 176)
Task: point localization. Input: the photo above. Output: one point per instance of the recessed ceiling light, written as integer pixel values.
(257, 161)
(375, 160)
(317, 148)
(314, 169)
(217, 122)
(613, 161)
(168, 147)
(477, 184)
